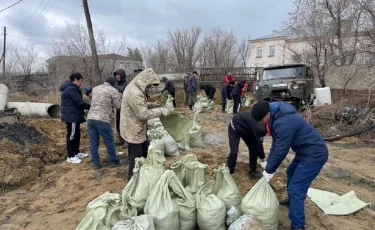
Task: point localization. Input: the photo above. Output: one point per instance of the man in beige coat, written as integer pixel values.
(134, 115)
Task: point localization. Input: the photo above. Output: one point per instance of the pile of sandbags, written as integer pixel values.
(203, 103)
(167, 143)
(182, 197)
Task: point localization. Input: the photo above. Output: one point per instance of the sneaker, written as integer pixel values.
(284, 202)
(73, 160)
(81, 155)
(255, 175)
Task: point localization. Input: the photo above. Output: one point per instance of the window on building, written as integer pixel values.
(259, 52)
(272, 51)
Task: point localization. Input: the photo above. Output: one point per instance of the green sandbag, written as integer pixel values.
(179, 169)
(185, 144)
(176, 125)
(161, 207)
(187, 212)
(210, 105)
(113, 215)
(226, 189)
(210, 209)
(142, 222)
(196, 174)
(155, 156)
(139, 187)
(262, 203)
(229, 106)
(195, 135)
(198, 106)
(169, 103)
(158, 144)
(96, 212)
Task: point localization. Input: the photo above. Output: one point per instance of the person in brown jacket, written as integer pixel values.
(105, 98)
(134, 115)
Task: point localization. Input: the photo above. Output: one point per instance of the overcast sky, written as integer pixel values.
(140, 20)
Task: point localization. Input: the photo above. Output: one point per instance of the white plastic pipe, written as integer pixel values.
(36, 109)
(3, 96)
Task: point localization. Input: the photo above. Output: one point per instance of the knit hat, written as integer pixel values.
(260, 110)
(111, 80)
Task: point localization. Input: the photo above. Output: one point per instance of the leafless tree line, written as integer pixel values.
(333, 33)
(185, 49)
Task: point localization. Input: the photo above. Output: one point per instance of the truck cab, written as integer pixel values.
(293, 83)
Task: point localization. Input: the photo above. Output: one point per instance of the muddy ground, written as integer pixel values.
(42, 191)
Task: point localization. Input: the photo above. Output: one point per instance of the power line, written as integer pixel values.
(11, 5)
(40, 16)
(28, 20)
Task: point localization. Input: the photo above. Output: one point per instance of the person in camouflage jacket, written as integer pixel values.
(134, 115)
(105, 98)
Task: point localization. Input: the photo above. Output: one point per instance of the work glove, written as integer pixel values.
(165, 111)
(263, 164)
(268, 176)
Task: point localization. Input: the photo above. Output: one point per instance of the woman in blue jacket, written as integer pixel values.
(290, 130)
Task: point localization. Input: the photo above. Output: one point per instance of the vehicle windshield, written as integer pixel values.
(292, 72)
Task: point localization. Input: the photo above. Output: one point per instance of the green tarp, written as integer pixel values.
(176, 125)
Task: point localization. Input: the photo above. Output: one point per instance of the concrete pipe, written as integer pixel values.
(3, 96)
(36, 109)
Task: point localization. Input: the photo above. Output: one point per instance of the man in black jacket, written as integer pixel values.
(226, 94)
(210, 90)
(169, 86)
(243, 126)
(120, 76)
(72, 113)
(237, 93)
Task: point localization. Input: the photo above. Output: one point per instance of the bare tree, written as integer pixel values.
(327, 33)
(244, 52)
(157, 55)
(185, 44)
(25, 58)
(219, 49)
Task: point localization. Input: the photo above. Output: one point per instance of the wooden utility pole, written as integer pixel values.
(4, 48)
(94, 54)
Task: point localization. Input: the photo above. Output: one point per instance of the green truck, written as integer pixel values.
(293, 83)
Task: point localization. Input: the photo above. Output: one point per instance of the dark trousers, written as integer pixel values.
(173, 94)
(136, 151)
(299, 178)
(223, 100)
(118, 115)
(211, 95)
(104, 129)
(254, 145)
(186, 98)
(237, 102)
(73, 141)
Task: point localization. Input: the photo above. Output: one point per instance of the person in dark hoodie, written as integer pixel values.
(120, 76)
(237, 92)
(72, 113)
(290, 130)
(226, 94)
(243, 126)
(169, 86)
(209, 89)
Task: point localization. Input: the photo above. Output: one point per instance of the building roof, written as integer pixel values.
(275, 34)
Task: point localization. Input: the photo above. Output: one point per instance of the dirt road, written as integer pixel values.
(57, 195)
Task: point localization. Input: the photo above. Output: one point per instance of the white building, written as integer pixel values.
(272, 49)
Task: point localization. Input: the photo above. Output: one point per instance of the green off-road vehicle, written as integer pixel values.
(293, 83)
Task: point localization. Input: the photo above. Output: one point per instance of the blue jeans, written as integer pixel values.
(104, 129)
(299, 178)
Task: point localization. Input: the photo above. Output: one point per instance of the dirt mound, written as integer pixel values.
(20, 133)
